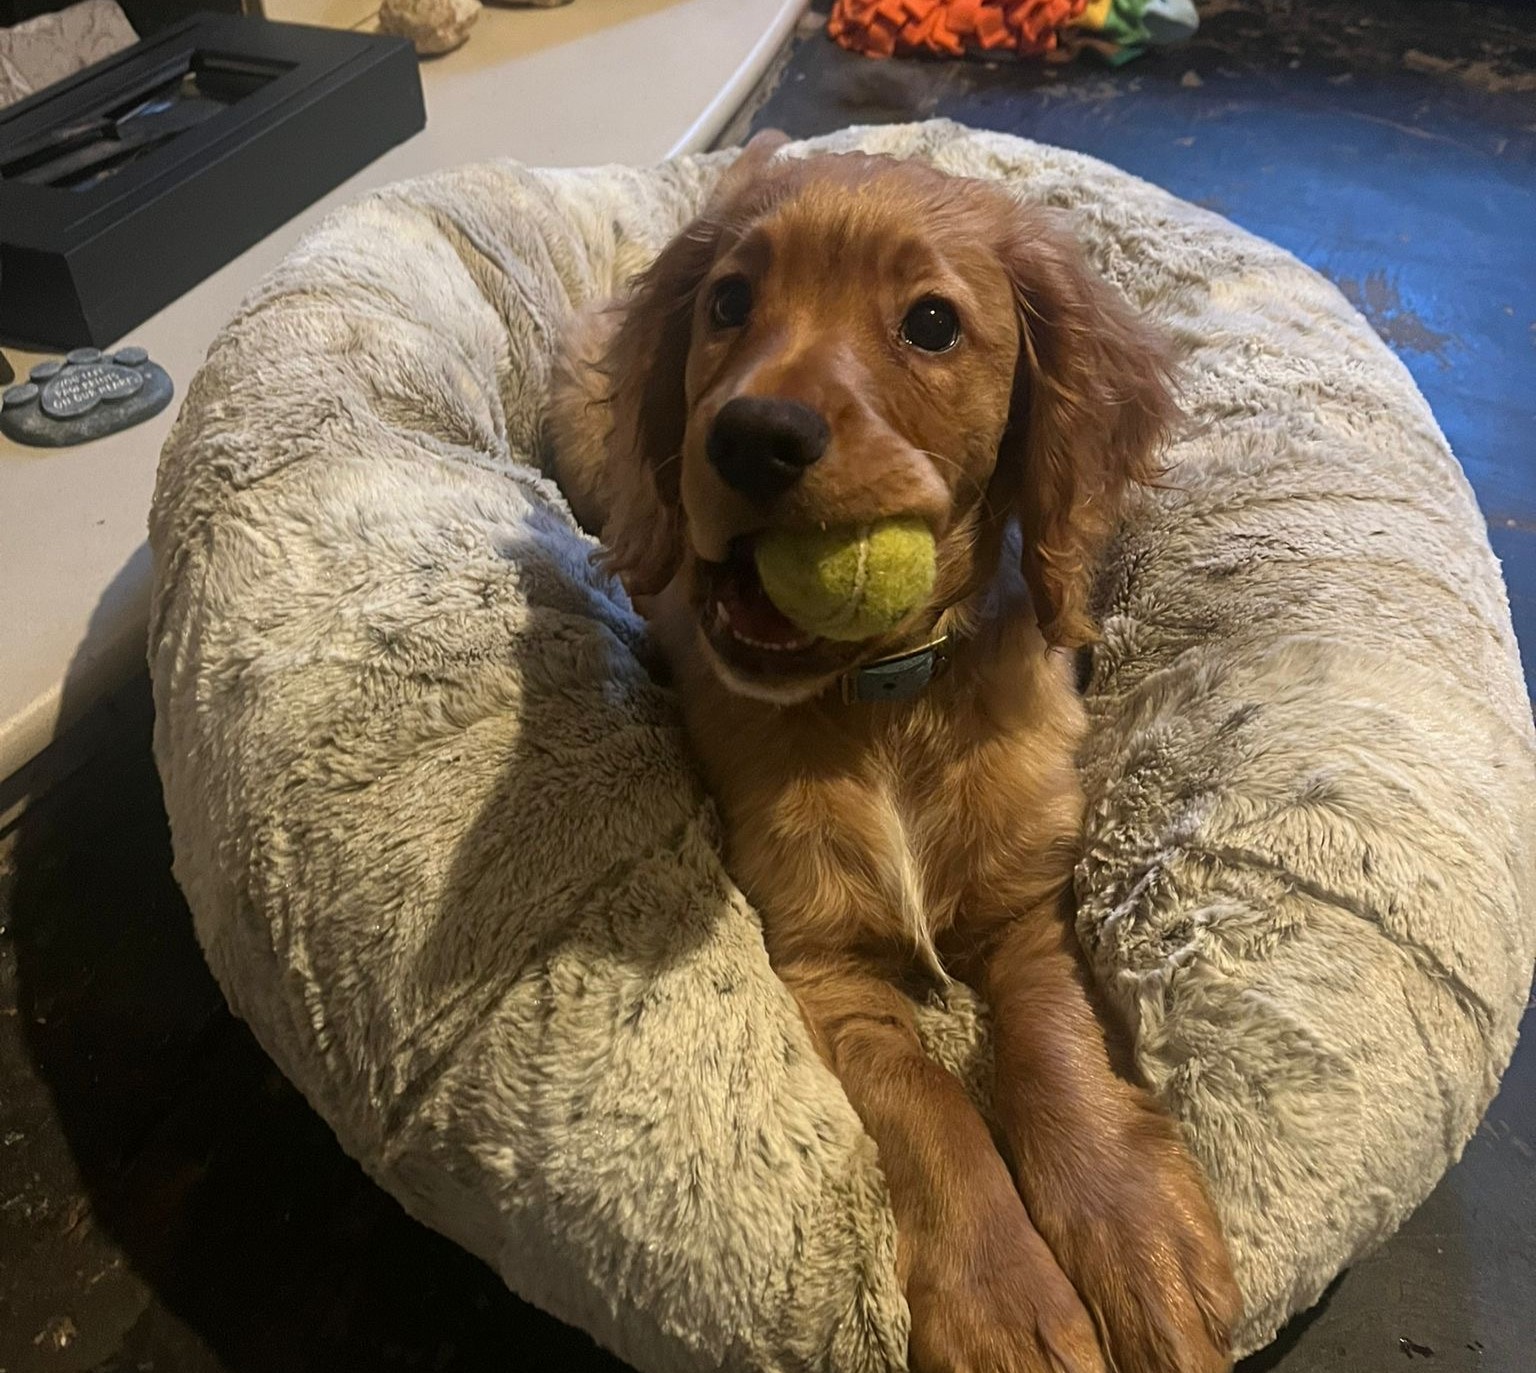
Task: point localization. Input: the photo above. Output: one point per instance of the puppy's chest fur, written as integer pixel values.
(894, 829)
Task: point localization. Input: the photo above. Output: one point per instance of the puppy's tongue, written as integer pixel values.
(747, 611)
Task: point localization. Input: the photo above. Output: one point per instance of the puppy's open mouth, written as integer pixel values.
(748, 631)
(740, 609)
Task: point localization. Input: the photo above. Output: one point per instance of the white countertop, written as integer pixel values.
(596, 81)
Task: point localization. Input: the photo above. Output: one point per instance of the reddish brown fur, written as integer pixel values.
(934, 837)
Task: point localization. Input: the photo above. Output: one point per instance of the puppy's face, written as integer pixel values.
(852, 356)
(843, 339)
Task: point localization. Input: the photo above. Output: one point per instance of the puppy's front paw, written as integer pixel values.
(1148, 1259)
(997, 1302)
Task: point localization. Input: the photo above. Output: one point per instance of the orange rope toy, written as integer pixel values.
(886, 28)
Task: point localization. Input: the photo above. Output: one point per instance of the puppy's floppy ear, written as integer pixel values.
(1092, 407)
(646, 363)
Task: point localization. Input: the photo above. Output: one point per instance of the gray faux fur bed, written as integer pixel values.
(448, 857)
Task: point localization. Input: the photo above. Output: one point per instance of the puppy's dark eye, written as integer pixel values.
(931, 325)
(731, 303)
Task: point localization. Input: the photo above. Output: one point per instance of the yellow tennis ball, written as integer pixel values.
(848, 584)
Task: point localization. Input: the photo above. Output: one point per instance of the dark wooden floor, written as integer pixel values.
(168, 1203)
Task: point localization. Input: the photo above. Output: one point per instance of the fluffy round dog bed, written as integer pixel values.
(447, 854)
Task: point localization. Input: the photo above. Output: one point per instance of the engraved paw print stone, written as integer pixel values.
(84, 395)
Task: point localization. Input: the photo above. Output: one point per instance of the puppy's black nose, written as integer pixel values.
(760, 445)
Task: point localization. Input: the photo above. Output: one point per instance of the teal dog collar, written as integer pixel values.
(899, 677)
